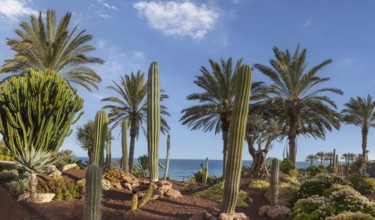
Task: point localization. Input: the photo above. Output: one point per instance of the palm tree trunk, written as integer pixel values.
(364, 147)
(225, 131)
(133, 133)
(33, 184)
(321, 161)
(292, 134)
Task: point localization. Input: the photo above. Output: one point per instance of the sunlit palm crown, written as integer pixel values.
(360, 111)
(47, 45)
(297, 91)
(131, 104)
(217, 97)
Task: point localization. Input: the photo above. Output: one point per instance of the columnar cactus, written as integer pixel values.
(134, 204)
(275, 182)
(147, 197)
(124, 144)
(337, 164)
(153, 119)
(109, 150)
(205, 176)
(236, 139)
(334, 161)
(167, 159)
(101, 123)
(93, 192)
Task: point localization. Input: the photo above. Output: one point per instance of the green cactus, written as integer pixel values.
(134, 204)
(205, 175)
(147, 197)
(275, 182)
(124, 144)
(334, 161)
(236, 139)
(101, 123)
(153, 120)
(108, 150)
(93, 192)
(167, 158)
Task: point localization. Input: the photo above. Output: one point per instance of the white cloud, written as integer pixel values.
(102, 2)
(102, 14)
(236, 1)
(13, 9)
(346, 62)
(178, 18)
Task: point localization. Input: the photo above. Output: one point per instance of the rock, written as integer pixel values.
(263, 210)
(198, 216)
(154, 185)
(156, 194)
(117, 185)
(143, 187)
(141, 194)
(128, 186)
(127, 179)
(214, 211)
(69, 166)
(44, 197)
(173, 194)
(145, 182)
(55, 174)
(235, 216)
(278, 211)
(23, 196)
(106, 184)
(165, 185)
(82, 183)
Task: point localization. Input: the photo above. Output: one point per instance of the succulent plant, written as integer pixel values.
(275, 182)
(93, 192)
(101, 123)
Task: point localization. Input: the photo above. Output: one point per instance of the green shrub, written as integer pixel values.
(335, 187)
(216, 193)
(259, 184)
(317, 185)
(362, 183)
(65, 189)
(245, 171)
(314, 170)
(8, 175)
(287, 167)
(351, 216)
(197, 178)
(16, 187)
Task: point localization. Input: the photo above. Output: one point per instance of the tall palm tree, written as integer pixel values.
(131, 105)
(311, 158)
(346, 156)
(320, 155)
(216, 101)
(360, 112)
(328, 157)
(297, 97)
(47, 45)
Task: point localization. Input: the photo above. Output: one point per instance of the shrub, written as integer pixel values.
(287, 167)
(314, 170)
(317, 185)
(8, 175)
(259, 184)
(216, 193)
(16, 187)
(335, 187)
(64, 188)
(197, 178)
(351, 216)
(362, 183)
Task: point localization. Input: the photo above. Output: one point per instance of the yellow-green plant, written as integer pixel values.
(124, 145)
(93, 192)
(259, 184)
(101, 123)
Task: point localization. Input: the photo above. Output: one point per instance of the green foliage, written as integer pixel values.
(198, 178)
(259, 184)
(36, 112)
(47, 45)
(351, 216)
(215, 193)
(35, 160)
(287, 167)
(314, 170)
(19, 185)
(8, 175)
(317, 186)
(64, 188)
(362, 183)
(64, 157)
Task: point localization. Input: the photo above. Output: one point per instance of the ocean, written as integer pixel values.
(181, 169)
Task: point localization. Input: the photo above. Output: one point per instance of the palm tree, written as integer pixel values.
(311, 158)
(345, 156)
(296, 97)
(328, 157)
(131, 105)
(360, 112)
(320, 155)
(46, 45)
(216, 101)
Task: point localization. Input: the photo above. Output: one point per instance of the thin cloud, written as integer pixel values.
(346, 62)
(307, 24)
(13, 9)
(174, 18)
(102, 14)
(235, 1)
(105, 4)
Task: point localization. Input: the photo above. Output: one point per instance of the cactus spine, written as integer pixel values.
(167, 159)
(124, 144)
(275, 182)
(236, 139)
(153, 120)
(101, 123)
(93, 192)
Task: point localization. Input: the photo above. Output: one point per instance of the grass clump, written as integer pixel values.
(215, 193)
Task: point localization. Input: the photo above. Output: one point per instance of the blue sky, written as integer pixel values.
(182, 35)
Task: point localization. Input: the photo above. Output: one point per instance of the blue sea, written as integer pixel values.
(181, 169)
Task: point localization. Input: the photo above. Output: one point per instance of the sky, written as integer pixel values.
(183, 35)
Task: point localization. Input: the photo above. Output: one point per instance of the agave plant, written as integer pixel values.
(34, 161)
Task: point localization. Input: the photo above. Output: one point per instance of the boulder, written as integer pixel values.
(127, 179)
(165, 185)
(214, 211)
(23, 196)
(278, 211)
(156, 194)
(235, 216)
(263, 210)
(44, 197)
(128, 186)
(69, 166)
(117, 185)
(106, 184)
(173, 194)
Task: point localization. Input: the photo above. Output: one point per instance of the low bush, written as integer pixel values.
(314, 170)
(351, 216)
(215, 193)
(8, 175)
(18, 186)
(287, 167)
(259, 184)
(197, 178)
(362, 183)
(64, 188)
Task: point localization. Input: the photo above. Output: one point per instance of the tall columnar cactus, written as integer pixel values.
(153, 120)
(124, 145)
(167, 158)
(101, 123)
(334, 161)
(275, 182)
(147, 196)
(109, 150)
(93, 192)
(236, 139)
(134, 204)
(337, 164)
(205, 176)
